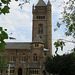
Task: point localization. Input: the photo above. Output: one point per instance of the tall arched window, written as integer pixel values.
(35, 57)
(12, 57)
(37, 71)
(40, 29)
(23, 57)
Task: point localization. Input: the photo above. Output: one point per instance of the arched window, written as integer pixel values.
(36, 45)
(23, 57)
(12, 57)
(33, 71)
(35, 57)
(37, 71)
(40, 29)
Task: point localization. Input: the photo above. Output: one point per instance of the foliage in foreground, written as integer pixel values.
(4, 5)
(68, 21)
(3, 61)
(3, 36)
(61, 65)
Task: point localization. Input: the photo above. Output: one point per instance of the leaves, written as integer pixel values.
(61, 65)
(11, 38)
(16, 0)
(3, 35)
(68, 20)
(58, 44)
(0, 4)
(3, 61)
(5, 1)
(55, 29)
(4, 6)
(58, 24)
(5, 10)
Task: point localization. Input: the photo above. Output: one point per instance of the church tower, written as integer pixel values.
(42, 25)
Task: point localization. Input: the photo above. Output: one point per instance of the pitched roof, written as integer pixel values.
(17, 45)
(37, 39)
(41, 3)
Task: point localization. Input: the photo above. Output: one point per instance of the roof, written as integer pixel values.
(37, 39)
(17, 45)
(41, 3)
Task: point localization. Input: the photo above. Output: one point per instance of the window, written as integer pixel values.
(34, 72)
(23, 57)
(37, 17)
(36, 45)
(12, 71)
(40, 29)
(40, 37)
(37, 72)
(45, 54)
(43, 17)
(12, 57)
(35, 57)
(40, 17)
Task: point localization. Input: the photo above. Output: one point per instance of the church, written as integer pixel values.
(28, 58)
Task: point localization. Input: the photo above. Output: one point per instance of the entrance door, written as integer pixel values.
(19, 71)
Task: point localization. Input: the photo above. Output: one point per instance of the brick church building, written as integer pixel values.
(28, 58)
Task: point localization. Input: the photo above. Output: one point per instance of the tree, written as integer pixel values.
(65, 64)
(3, 35)
(3, 60)
(49, 65)
(61, 65)
(4, 5)
(68, 20)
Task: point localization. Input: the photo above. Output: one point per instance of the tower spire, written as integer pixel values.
(41, 3)
(48, 2)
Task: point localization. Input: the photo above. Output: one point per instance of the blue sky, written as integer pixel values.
(19, 22)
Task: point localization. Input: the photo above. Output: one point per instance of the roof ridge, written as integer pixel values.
(41, 3)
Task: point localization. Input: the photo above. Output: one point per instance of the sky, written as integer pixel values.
(19, 22)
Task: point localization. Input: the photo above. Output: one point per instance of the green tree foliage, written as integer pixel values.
(3, 61)
(49, 65)
(4, 5)
(59, 44)
(61, 65)
(3, 36)
(68, 20)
